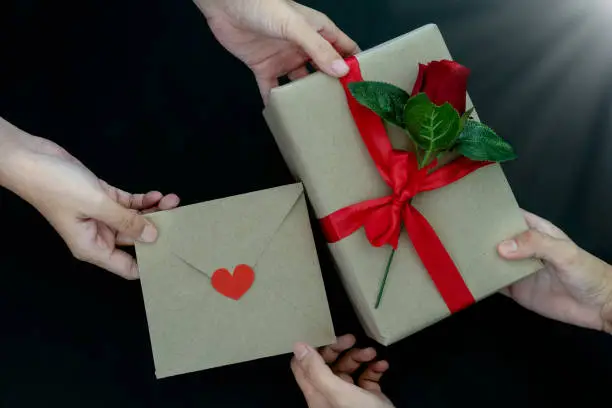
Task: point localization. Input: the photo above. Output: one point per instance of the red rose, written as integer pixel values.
(443, 81)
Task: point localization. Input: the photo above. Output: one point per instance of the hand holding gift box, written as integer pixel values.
(355, 178)
(226, 269)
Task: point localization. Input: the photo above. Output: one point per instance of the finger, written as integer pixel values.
(117, 262)
(123, 240)
(351, 361)
(150, 210)
(138, 201)
(125, 221)
(542, 225)
(330, 31)
(371, 386)
(370, 378)
(317, 373)
(94, 242)
(346, 378)
(340, 41)
(265, 85)
(168, 202)
(535, 244)
(133, 201)
(317, 48)
(267, 73)
(330, 353)
(314, 66)
(300, 377)
(505, 291)
(298, 73)
(144, 201)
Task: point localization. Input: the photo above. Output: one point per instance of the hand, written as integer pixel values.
(573, 287)
(332, 385)
(92, 217)
(277, 37)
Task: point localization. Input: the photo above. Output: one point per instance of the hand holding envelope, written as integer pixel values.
(232, 280)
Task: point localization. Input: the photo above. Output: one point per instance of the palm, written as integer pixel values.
(277, 37)
(356, 380)
(545, 294)
(70, 197)
(97, 234)
(268, 57)
(315, 399)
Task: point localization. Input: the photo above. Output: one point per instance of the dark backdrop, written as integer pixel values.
(141, 92)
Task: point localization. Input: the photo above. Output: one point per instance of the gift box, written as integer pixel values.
(454, 227)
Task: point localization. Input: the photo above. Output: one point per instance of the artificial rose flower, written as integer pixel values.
(443, 81)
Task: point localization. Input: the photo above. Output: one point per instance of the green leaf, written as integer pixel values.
(431, 127)
(386, 100)
(479, 142)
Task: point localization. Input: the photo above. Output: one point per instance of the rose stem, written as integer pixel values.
(384, 280)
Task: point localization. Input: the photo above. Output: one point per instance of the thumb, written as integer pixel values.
(311, 365)
(127, 222)
(535, 244)
(318, 48)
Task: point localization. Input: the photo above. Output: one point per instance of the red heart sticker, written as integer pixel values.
(236, 285)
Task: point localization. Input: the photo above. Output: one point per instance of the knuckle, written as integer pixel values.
(529, 238)
(99, 203)
(321, 18)
(131, 201)
(285, 28)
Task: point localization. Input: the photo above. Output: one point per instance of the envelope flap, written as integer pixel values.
(226, 232)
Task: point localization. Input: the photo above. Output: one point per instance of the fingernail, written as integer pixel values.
(149, 233)
(508, 247)
(339, 67)
(301, 351)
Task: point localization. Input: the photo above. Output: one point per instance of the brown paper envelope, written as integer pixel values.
(317, 136)
(192, 326)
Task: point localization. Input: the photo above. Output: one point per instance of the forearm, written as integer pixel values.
(12, 141)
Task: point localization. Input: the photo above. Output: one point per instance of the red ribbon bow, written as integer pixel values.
(382, 217)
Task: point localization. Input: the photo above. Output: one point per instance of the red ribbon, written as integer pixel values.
(382, 217)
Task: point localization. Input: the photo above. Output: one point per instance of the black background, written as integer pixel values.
(141, 92)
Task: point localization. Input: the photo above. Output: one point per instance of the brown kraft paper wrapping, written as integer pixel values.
(316, 134)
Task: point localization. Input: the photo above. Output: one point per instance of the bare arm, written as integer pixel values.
(11, 142)
(91, 216)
